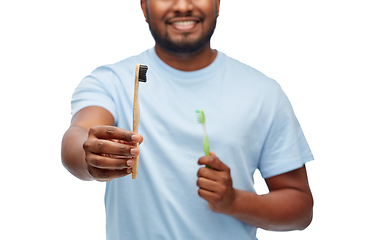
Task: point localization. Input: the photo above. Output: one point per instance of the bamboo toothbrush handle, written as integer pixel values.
(136, 118)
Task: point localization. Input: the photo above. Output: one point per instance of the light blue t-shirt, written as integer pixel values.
(250, 125)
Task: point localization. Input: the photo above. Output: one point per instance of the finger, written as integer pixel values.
(208, 195)
(214, 162)
(107, 175)
(123, 142)
(207, 184)
(208, 173)
(113, 156)
(105, 162)
(101, 146)
(111, 132)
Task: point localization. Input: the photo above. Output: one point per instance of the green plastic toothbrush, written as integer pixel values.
(201, 119)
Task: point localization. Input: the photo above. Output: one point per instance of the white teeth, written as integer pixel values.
(184, 23)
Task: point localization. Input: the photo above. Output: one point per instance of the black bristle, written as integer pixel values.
(143, 73)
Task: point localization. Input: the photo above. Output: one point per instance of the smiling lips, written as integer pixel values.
(183, 24)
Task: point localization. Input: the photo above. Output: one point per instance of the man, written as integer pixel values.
(250, 123)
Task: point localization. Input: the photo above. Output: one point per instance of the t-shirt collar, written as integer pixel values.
(187, 75)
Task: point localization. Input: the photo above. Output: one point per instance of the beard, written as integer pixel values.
(183, 46)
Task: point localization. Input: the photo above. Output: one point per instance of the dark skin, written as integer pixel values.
(161, 17)
(93, 149)
(287, 206)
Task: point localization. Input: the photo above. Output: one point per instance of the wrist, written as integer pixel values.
(241, 201)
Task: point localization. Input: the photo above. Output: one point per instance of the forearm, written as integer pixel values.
(280, 210)
(72, 152)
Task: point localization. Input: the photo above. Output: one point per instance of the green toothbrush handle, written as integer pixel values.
(206, 148)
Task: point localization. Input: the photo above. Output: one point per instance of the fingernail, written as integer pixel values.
(128, 171)
(130, 163)
(134, 151)
(135, 138)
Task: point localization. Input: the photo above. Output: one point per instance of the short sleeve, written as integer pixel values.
(95, 90)
(285, 148)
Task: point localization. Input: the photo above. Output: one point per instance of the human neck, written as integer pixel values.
(187, 61)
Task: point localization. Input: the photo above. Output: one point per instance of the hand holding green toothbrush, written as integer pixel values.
(219, 174)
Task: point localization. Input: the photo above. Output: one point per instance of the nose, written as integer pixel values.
(183, 6)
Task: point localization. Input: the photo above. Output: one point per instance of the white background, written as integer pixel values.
(316, 50)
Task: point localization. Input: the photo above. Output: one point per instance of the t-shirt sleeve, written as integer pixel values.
(95, 90)
(285, 148)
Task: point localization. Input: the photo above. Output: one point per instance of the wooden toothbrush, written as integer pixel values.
(140, 76)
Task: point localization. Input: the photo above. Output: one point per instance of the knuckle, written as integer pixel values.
(101, 145)
(126, 135)
(211, 160)
(110, 131)
(225, 178)
(92, 131)
(96, 162)
(200, 171)
(124, 150)
(119, 164)
(86, 145)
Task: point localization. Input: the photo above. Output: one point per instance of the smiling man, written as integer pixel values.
(179, 31)
(250, 122)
